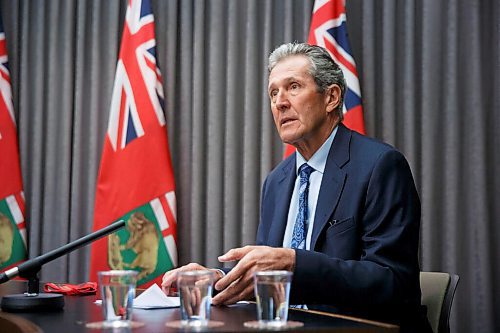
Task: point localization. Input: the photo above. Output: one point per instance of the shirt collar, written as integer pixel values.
(318, 160)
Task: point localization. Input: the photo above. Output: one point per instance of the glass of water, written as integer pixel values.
(118, 293)
(272, 292)
(195, 291)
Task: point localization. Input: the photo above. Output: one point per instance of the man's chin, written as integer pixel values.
(289, 138)
(289, 135)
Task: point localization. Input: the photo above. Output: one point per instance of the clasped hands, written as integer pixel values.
(237, 284)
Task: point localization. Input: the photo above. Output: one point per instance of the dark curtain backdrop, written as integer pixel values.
(430, 79)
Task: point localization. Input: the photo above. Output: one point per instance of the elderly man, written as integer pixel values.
(342, 213)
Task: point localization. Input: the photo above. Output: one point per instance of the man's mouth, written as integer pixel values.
(286, 121)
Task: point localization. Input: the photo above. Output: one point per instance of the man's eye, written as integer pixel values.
(294, 86)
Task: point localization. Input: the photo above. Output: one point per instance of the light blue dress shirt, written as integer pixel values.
(318, 163)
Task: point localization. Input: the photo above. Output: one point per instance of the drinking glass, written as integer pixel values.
(195, 291)
(272, 292)
(118, 293)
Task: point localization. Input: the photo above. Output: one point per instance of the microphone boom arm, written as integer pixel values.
(30, 268)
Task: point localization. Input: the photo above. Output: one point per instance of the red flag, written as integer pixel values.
(12, 224)
(136, 179)
(328, 29)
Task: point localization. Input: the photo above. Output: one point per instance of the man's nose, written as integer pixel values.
(282, 101)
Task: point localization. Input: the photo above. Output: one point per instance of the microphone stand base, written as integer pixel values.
(40, 302)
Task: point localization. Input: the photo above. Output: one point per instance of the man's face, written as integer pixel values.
(300, 112)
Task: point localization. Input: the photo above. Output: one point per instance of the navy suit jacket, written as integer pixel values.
(364, 246)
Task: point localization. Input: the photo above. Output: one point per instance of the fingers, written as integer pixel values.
(243, 295)
(192, 301)
(281, 293)
(234, 274)
(218, 274)
(247, 262)
(196, 295)
(237, 291)
(249, 258)
(187, 301)
(168, 283)
(235, 254)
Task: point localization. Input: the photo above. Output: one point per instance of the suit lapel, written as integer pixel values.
(333, 181)
(283, 192)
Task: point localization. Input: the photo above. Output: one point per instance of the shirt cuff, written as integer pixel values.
(222, 273)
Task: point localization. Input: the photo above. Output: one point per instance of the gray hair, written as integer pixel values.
(323, 69)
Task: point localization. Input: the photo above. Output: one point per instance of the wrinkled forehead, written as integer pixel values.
(291, 67)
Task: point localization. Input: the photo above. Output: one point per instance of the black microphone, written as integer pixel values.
(30, 268)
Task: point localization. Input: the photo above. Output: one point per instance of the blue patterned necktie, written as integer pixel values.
(301, 223)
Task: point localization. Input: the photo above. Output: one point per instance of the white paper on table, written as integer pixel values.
(154, 298)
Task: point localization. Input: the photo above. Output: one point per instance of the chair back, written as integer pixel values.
(438, 290)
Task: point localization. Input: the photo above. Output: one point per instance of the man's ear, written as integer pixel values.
(332, 97)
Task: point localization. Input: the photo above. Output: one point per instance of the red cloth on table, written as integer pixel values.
(87, 288)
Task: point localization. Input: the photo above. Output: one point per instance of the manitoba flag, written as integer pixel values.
(136, 179)
(12, 224)
(328, 29)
